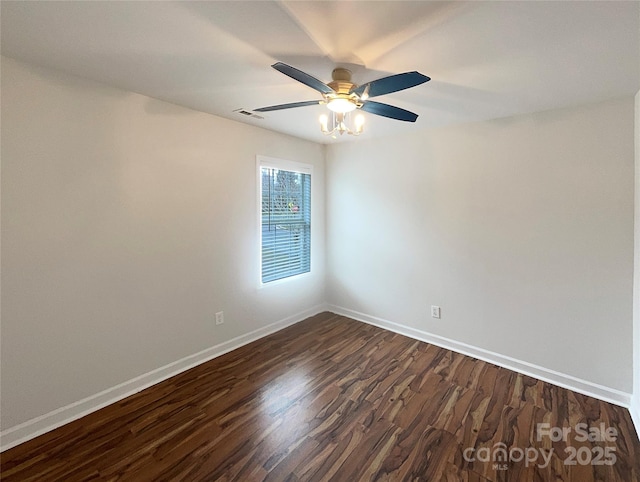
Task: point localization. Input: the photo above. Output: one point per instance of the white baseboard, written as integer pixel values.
(585, 387)
(37, 426)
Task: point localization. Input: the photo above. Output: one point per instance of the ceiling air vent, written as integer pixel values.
(248, 113)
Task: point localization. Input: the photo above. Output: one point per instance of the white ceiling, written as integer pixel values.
(486, 59)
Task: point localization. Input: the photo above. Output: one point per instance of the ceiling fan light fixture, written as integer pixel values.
(324, 123)
(341, 105)
(340, 123)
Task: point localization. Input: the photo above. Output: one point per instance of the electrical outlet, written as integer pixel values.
(435, 311)
(219, 317)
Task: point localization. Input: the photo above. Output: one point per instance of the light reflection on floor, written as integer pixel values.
(278, 395)
(282, 433)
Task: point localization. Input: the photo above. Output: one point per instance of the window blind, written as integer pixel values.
(286, 223)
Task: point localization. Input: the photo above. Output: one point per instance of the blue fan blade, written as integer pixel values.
(287, 106)
(390, 111)
(393, 83)
(300, 76)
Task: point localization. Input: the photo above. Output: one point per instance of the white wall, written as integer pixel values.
(127, 223)
(521, 229)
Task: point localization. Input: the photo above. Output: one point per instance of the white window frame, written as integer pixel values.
(285, 165)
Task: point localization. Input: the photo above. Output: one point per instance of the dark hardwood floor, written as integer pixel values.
(334, 399)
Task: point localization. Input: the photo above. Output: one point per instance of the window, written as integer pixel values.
(285, 218)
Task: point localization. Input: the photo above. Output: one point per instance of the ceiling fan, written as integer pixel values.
(343, 96)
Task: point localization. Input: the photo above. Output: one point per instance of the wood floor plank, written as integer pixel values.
(333, 399)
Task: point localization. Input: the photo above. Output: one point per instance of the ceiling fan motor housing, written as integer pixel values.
(341, 80)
